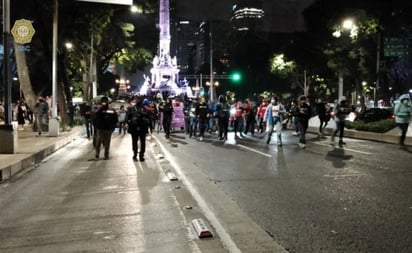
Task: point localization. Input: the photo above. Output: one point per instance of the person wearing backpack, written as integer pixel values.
(138, 120)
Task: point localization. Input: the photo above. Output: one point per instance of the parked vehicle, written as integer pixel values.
(376, 114)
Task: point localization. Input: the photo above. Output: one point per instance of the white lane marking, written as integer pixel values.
(346, 175)
(347, 149)
(225, 236)
(254, 150)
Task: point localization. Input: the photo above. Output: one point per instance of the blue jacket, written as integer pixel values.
(268, 114)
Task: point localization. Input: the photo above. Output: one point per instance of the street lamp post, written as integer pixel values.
(347, 24)
(8, 133)
(211, 64)
(378, 58)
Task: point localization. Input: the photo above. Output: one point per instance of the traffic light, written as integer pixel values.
(202, 92)
(236, 77)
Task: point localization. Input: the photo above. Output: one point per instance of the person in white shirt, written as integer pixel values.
(274, 117)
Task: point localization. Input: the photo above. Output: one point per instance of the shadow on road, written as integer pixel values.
(338, 157)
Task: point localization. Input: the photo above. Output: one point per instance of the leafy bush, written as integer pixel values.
(380, 126)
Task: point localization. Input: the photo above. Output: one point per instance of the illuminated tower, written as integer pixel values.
(164, 72)
(247, 15)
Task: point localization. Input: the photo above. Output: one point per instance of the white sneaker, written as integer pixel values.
(201, 139)
(303, 146)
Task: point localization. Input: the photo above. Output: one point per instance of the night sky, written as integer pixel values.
(280, 15)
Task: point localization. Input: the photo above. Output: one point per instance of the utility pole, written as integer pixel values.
(212, 85)
(8, 133)
(378, 62)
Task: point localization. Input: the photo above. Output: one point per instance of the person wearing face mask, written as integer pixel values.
(274, 116)
(402, 117)
(106, 120)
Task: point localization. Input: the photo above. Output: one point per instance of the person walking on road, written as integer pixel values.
(302, 113)
(106, 120)
(42, 113)
(274, 116)
(223, 115)
(193, 121)
(323, 115)
(341, 111)
(122, 119)
(261, 115)
(202, 114)
(138, 120)
(21, 114)
(167, 110)
(403, 112)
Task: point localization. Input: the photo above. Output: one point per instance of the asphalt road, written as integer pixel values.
(72, 203)
(321, 199)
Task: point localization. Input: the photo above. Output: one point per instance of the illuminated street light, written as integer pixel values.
(347, 24)
(68, 45)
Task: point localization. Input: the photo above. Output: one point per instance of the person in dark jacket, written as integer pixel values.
(86, 112)
(223, 115)
(323, 115)
(341, 111)
(302, 113)
(167, 109)
(202, 114)
(106, 120)
(138, 121)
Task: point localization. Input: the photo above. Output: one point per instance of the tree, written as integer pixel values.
(357, 55)
(78, 20)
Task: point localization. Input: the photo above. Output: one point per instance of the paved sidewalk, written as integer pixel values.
(31, 149)
(391, 136)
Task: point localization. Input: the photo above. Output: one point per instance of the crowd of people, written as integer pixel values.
(143, 116)
(265, 117)
(35, 118)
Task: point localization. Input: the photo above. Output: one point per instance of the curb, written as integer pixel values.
(28, 160)
(364, 135)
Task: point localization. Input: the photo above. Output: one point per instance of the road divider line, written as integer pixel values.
(347, 149)
(254, 150)
(224, 235)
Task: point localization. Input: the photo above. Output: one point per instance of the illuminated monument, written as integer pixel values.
(164, 73)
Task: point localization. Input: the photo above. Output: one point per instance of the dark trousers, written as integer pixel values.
(404, 129)
(302, 127)
(340, 127)
(223, 124)
(250, 126)
(238, 125)
(167, 121)
(122, 127)
(89, 127)
(135, 139)
(202, 126)
(103, 137)
(193, 126)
